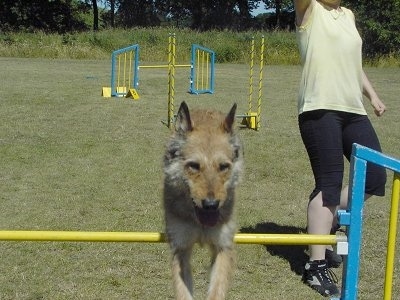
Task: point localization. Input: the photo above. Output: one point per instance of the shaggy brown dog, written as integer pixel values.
(202, 166)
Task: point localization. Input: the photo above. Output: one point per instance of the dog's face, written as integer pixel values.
(210, 160)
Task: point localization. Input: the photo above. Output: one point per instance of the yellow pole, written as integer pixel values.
(390, 254)
(163, 66)
(198, 68)
(260, 84)
(119, 72)
(130, 71)
(171, 78)
(124, 78)
(82, 236)
(251, 75)
(202, 69)
(287, 239)
(207, 70)
(159, 237)
(169, 83)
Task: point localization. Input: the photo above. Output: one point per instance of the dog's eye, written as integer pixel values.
(224, 166)
(193, 166)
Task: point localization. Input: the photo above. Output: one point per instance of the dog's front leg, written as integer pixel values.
(182, 274)
(222, 268)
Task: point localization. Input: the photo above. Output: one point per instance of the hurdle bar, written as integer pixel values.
(352, 218)
(162, 66)
(252, 119)
(124, 75)
(349, 244)
(160, 237)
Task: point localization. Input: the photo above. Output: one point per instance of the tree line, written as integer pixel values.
(378, 20)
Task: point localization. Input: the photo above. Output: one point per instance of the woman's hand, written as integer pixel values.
(379, 107)
(369, 92)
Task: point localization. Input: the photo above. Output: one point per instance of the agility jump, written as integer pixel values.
(252, 119)
(202, 73)
(159, 237)
(125, 75)
(349, 244)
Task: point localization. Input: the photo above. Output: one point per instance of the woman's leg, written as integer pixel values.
(319, 221)
(321, 132)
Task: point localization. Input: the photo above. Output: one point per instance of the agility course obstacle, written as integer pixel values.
(125, 75)
(171, 79)
(352, 218)
(157, 237)
(202, 70)
(202, 73)
(252, 119)
(348, 244)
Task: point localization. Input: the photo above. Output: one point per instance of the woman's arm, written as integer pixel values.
(369, 92)
(303, 9)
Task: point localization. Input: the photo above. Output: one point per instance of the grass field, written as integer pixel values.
(72, 160)
(230, 46)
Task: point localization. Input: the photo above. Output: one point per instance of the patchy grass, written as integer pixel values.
(230, 47)
(72, 160)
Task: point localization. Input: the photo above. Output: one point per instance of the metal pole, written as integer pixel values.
(171, 79)
(159, 237)
(251, 76)
(391, 245)
(260, 80)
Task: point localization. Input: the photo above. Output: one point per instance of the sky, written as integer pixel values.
(259, 10)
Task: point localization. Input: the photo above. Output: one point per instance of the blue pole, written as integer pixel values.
(353, 217)
(192, 64)
(212, 76)
(358, 169)
(113, 68)
(136, 69)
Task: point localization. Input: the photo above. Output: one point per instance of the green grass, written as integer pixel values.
(230, 47)
(72, 160)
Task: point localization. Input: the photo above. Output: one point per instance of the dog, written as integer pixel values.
(202, 166)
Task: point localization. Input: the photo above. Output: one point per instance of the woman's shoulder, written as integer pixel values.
(348, 11)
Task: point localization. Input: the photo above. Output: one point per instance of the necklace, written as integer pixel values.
(336, 13)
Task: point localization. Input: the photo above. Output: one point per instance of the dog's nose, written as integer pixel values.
(210, 204)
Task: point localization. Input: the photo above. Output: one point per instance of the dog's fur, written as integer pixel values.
(202, 166)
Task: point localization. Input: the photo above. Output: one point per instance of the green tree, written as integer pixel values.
(137, 13)
(95, 15)
(210, 14)
(53, 16)
(378, 22)
(283, 16)
(107, 12)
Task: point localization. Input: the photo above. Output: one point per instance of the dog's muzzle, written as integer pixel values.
(208, 213)
(210, 204)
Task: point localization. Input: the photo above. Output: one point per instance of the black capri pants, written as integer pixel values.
(328, 136)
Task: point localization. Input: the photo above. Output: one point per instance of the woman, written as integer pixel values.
(331, 118)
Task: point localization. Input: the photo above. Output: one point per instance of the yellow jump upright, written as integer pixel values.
(252, 119)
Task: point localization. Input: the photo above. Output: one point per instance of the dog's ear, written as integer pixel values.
(230, 118)
(183, 123)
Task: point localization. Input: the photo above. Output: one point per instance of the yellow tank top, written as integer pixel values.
(330, 50)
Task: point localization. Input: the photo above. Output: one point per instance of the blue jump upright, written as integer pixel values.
(353, 217)
(202, 72)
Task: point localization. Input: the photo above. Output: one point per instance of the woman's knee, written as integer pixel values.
(375, 181)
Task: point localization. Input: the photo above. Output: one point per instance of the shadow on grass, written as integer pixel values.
(294, 254)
